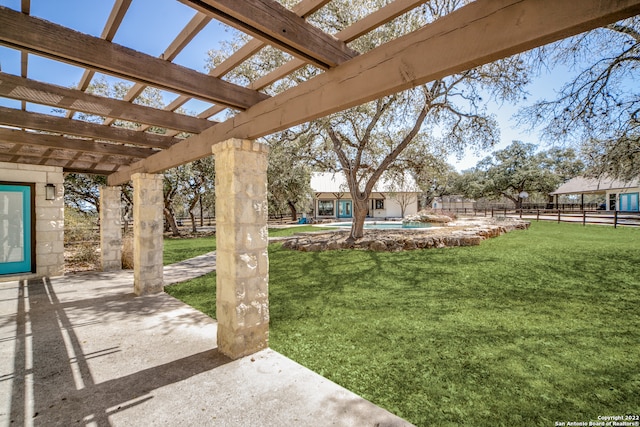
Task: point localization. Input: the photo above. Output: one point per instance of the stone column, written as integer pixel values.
(110, 228)
(148, 203)
(242, 264)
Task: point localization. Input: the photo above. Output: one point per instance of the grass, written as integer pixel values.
(529, 328)
(290, 231)
(176, 250)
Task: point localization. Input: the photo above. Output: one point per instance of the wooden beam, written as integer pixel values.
(55, 141)
(71, 169)
(302, 9)
(44, 122)
(193, 27)
(22, 89)
(378, 18)
(273, 23)
(35, 35)
(62, 154)
(116, 16)
(476, 34)
(79, 167)
(359, 28)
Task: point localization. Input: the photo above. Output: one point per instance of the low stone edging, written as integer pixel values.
(459, 233)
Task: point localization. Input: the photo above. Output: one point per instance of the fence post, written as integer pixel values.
(559, 215)
(520, 213)
(505, 212)
(584, 218)
(615, 219)
(491, 212)
(538, 215)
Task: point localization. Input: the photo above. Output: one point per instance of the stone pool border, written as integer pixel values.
(462, 232)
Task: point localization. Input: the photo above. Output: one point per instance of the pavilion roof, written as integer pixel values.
(478, 32)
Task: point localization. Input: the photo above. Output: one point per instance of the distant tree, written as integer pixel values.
(364, 141)
(82, 192)
(599, 109)
(199, 179)
(288, 174)
(427, 163)
(519, 169)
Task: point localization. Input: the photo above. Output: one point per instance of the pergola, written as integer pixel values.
(475, 34)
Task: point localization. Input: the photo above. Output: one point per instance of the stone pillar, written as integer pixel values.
(242, 264)
(110, 228)
(148, 203)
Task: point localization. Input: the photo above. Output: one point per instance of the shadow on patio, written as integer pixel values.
(83, 349)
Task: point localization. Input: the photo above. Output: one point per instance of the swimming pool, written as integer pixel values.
(378, 225)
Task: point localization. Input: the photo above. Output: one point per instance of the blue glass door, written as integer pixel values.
(345, 209)
(15, 229)
(629, 202)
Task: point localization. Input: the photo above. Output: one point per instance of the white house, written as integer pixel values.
(619, 195)
(389, 198)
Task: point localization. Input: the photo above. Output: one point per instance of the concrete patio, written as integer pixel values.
(83, 349)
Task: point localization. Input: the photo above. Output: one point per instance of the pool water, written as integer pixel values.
(381, 225)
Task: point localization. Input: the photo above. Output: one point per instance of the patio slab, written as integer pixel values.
(82, 349)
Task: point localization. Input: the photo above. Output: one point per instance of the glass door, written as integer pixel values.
(345, 209)
(15, 229)
(629, 202)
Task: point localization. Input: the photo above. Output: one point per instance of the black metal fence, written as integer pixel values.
(602, 217)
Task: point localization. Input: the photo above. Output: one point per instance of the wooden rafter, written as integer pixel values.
(45, 153)
(195, 25)
(37, 36)
(365, 25)
(81, 145)
(302, 9)
(116, 16)
(70, 99)
(447, 46)
(113, 23)
(69, 166)
(273, 23)
(61, 125)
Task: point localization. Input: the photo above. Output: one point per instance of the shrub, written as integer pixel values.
(127, 252)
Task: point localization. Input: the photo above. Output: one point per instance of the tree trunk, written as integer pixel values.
(171, 220)
(294, 211)
(193, 222)
(201, 212)
(192, 206)
(359, 216)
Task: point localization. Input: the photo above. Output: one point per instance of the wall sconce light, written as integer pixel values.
(50, 192)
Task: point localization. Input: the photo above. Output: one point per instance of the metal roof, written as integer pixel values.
(336, 182)
(582, 184)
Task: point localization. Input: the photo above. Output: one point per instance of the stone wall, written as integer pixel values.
(461, 233)
(49, 216)
(110, 228)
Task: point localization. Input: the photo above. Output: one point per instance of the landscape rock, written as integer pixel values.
(463, 232)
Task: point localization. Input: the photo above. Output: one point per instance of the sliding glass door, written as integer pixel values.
(15, 229)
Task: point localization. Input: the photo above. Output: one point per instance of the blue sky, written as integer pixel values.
(168, 18)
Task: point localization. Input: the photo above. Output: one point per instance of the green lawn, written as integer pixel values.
(290, 231)
(529, 328)
(176, 250)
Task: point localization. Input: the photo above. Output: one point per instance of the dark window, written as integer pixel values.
(379, 204)
(325, 207)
